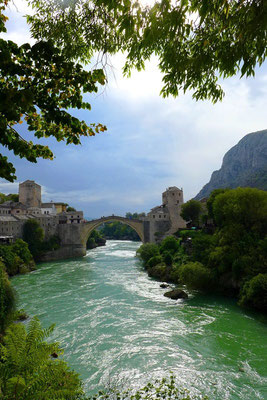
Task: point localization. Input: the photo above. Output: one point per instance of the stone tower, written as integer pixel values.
(173, 198)
(30, 194)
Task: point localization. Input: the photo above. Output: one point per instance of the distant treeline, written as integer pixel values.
(119, 231)
(8, 197)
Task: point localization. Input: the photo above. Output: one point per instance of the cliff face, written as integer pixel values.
(243, 165)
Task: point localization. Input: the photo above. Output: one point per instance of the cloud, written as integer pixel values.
(9, 187)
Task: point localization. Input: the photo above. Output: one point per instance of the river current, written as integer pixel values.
(115, 325)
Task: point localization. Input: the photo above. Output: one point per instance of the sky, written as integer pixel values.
(151, 143)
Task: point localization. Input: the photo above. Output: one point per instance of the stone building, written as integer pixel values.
(71, 217)
(49, 208)
(30, 194)
(13, 215)
(165, 219)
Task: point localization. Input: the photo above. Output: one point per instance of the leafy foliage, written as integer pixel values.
(244, 206)
(199, 41)
(153, 261)
(17, 257)
(196, 42)
(211, 200)
(7, 299)
(33, 234)
(165, 388)
(169, 244)
(147, 251)
(27, 370)
(8, 197)
(191, 211)
(167, 258)
(95, 239)
(196, 276)
(119, 231)
(37, 85)
(254, 293)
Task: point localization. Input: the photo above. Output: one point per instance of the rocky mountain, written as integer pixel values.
(243, 165)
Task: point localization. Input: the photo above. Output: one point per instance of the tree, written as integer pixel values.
(191, 211)
(196, 42)
(211, 199)
(147, 251)
(196, 276)
(70, 209)
(244, 206)
(33, 234)
(37, 85)
(254, 293)
(170, 244)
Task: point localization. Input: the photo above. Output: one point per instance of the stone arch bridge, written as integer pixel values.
(74, 236)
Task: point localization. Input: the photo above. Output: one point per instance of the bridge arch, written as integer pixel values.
(89, 226)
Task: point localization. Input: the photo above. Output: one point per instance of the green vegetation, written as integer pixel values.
(8, 197)
(17, 258)
(70, 209)
(7, 299)
(27, 370)
(196, 42)
(118, 231)
(95, 239)
(33, 234)
(230, 260)
(165, 388)
(191, 211)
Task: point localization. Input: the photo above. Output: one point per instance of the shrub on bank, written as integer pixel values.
(167, 258)
(154, 261)
(175, 274)
(17, 258)
(147, 251)
(254, 293)
(159, 271)
(170, 244)
(195, 276)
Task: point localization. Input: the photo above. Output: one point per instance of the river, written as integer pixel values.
(115, 325)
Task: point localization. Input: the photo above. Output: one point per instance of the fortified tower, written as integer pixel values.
(30, 194)
(165, 219)
(173, 198)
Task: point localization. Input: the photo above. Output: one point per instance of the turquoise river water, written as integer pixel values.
(115, 325)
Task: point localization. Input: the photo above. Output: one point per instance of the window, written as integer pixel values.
(153, 216)
(17, 211)
(173, 194)
(164, 216)
(159, 216)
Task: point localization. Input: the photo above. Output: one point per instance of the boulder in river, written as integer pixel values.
(176, 294)
(164, 285)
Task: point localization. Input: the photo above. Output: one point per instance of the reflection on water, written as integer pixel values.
(113, 321)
